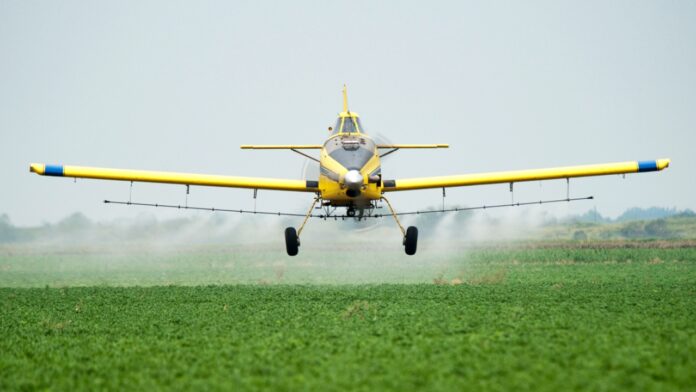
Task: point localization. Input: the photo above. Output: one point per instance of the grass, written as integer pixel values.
(551, 317)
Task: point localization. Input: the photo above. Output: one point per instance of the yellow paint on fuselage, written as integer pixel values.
(332, 189)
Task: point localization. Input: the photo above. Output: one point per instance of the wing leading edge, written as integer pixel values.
(525, 175)
(281, 146)
(173, 178)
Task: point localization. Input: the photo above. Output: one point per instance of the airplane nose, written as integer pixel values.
(353, 180)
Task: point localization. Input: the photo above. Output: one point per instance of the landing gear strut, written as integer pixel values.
(292, 236)
(410, 234)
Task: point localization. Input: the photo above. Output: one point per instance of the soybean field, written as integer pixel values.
(528, 316)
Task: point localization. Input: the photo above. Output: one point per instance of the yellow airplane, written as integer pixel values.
(350, 176)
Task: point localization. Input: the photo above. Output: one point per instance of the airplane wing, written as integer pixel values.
(173, 178)
(525, 175)
(400, 146)
(319, 146)
(280, 146)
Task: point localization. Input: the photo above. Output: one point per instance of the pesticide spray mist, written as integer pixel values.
(205, 248)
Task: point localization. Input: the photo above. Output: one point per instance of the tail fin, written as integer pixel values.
(345, 99)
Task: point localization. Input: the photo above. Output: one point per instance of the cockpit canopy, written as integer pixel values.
(349, 123)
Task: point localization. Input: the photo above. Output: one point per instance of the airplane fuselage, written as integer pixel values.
(350, 171)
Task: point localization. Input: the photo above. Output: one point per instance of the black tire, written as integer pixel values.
(291, 241)
(411, 240)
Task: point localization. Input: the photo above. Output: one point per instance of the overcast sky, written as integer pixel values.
(178, 86)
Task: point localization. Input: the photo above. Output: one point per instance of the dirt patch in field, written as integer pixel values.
(358, 309)
(494, 277)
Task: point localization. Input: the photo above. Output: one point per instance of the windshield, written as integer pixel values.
(349, 125)
(360, 127)
(337, 128)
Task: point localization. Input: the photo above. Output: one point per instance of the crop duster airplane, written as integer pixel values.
(350, 177)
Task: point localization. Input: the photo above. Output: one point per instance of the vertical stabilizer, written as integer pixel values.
(345, 99)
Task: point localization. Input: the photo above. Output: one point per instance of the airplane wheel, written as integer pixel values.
(411, 240)
(292, 243)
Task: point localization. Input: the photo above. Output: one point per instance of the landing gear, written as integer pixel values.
(292, 236)
(410, 234)
(411, 240)
(292, 241)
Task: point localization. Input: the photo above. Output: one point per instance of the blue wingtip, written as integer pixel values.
(647, 166)
(54, 170)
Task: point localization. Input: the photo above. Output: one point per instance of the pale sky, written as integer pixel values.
(178, 86)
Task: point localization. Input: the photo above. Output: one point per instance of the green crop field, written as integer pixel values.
(541, 316)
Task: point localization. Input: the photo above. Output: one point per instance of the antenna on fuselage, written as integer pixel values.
(345, 99)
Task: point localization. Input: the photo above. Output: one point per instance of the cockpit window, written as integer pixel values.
(337, 128)
(349, 125)
(362, 130)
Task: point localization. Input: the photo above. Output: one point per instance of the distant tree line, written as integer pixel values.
(633, 214)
